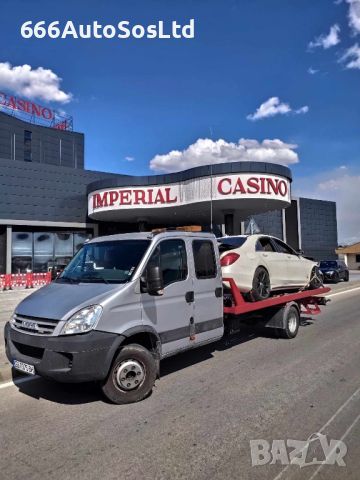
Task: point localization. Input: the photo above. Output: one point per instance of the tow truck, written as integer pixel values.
(127, 301)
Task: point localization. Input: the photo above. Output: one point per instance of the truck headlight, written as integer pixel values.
(83, 321)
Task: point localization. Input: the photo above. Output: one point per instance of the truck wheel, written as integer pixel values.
(260, 285)
(291, 321)
(132, 375)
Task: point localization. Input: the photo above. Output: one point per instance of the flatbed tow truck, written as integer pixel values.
(127, 301)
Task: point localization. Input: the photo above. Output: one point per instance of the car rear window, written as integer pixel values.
(230, 243)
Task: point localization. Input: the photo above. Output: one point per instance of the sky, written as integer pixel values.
(261, 80)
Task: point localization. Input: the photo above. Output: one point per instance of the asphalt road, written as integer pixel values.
(204, 411)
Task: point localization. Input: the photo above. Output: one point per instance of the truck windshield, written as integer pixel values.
(106, 262)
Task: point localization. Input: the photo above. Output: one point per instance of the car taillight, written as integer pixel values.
(229, 259)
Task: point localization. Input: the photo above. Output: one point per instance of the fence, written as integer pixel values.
(11, 281)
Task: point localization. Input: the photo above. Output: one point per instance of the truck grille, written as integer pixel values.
(34, 325)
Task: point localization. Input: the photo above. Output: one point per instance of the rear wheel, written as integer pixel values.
(291, 323)
(261, 285)
(132, 375)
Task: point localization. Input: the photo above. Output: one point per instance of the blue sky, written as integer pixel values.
(140, 98)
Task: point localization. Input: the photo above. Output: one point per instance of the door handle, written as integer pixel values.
(189, 297)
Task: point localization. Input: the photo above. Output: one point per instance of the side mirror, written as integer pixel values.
(154, 280)
(300, 252)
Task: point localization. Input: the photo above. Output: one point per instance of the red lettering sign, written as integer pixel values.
(26, 106)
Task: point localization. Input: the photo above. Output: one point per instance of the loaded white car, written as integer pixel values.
(262, 264)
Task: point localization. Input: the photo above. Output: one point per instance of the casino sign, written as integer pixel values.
(191, 195)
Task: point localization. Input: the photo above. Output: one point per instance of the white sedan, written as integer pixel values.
(260, 264)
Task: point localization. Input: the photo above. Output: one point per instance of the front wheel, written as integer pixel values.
(261, 285)
(315, 279)
(132, 375)
(347, 277)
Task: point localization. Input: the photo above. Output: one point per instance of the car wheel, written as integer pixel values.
(132, 375)
(336, 278)
(315, 279)
(261, 285)
(346, 277)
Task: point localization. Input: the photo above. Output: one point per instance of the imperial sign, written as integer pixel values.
(219, 189)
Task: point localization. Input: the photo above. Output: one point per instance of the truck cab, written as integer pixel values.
(122, 304)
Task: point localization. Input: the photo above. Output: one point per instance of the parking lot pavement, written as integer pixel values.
(207, 407)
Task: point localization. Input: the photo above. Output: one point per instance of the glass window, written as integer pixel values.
(43, 251)
(357, 258)
(171, 256)
(107, 262)
(264, 245)
(229, 243)
(283, 248)
(27, 146)
(204, 258)
(22, 252)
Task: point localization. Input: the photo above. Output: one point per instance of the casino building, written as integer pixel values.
(50, 204)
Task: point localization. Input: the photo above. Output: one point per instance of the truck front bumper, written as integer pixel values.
(73, 358)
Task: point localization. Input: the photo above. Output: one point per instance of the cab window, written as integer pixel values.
(170, 255)
(204, 259)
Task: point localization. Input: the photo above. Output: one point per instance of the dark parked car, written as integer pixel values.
(334, 270)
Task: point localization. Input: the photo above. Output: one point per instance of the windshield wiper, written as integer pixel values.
(68, 279)
(90, 278)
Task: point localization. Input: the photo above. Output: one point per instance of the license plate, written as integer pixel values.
(24, 367)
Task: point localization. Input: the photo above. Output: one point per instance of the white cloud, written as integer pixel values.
(341, 186)
(329, 40)
(129, 159)
(273, 107)
(206, 151)
(352, 57)
(354, 15)
(38, 83)
(312, 71)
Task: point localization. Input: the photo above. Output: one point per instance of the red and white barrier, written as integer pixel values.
(9, 281)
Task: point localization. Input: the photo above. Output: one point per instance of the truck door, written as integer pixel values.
(208, 305)
(171, 313)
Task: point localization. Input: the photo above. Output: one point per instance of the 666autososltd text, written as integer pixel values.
(122, 30)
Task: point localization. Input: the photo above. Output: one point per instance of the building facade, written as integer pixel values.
(50, 204)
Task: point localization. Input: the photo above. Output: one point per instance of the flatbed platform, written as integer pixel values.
(308, 300)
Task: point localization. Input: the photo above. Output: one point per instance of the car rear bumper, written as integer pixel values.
(76, 358)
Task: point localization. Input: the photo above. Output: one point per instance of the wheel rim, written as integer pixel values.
(263, 284)
(129, 375)
(292, 323)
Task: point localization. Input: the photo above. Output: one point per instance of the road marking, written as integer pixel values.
(342, 293)
(331, 419)
(18, 382)
(333, 450)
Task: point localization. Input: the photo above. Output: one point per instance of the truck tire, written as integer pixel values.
(132, 375)
(261, 285)
(291, 323)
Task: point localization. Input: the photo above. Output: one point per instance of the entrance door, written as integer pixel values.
(171, 313)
